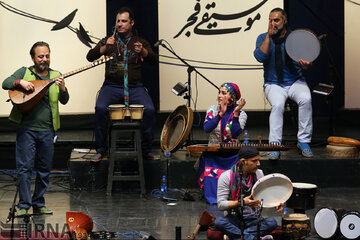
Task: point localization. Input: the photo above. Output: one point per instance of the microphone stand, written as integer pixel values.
(189, 70)
(11, 217)
(242, 224)
(167, 155)
(258, 223)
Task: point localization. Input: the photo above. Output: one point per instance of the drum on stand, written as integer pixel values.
(350, 225)
(120, 111)
(303, 197)
(136, 111)
(302, 44)
(296, 226)
(273, 189)
(117, 111)
(327, 221)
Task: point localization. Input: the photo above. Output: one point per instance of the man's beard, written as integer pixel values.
(279, 30)
(42, 66)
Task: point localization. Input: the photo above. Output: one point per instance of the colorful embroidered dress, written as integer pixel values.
(225, 129)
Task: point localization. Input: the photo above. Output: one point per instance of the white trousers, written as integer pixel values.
(277, 95)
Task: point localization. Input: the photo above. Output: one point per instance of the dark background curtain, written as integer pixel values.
(323, 17)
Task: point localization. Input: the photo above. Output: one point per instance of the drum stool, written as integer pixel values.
(124, 147)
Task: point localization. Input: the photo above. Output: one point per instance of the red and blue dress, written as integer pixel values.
(212, 164)
(224, 129)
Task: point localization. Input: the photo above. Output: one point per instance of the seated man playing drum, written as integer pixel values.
(242, 220)
(123, 81)
(283, 79)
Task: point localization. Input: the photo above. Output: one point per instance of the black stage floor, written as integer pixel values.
(128, 215)
(124, 212)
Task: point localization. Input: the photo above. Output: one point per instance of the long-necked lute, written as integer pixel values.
(25, 100)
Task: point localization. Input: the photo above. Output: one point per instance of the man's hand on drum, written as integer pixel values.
(249, 201)
(305, 64)
(279, 208)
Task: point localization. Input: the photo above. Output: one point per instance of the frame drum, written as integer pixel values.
(326, 222)
(136, 111)
(342, 151)
(176, 128)
(296, 226)
(350, 225)
(273, 189)
(117, 111)
(303, 196)
(302, 44)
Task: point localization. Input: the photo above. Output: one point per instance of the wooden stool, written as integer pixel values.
(124, 147)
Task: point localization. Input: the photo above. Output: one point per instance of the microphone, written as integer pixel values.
(322, 36)
(158, 42)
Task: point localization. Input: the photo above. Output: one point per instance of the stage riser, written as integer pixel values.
(89, 176)
(61, 156)
(323, 173)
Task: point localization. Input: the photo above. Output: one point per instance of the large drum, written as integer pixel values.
(326, 222)
(342, 147)
(302, 44)
(273, 189)
(303, 197)
(296, 226)
(350, 225)
(342, 151)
